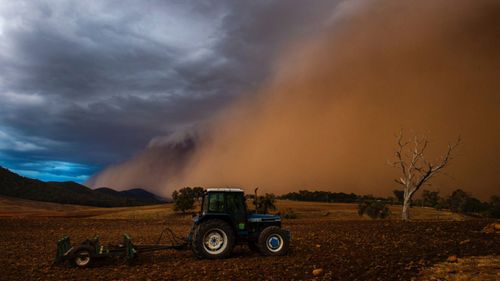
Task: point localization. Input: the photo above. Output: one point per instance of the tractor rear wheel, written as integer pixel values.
(273, 241)
(213, 239)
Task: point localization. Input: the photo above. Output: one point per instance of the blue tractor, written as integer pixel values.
(224, 221)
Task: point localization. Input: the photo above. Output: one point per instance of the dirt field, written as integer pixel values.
(343, 249)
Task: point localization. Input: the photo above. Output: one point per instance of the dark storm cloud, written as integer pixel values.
(93, 82)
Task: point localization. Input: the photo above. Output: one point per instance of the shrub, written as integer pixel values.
(374, 209)
(494, 207)
(461, 202)
(430, 198)
(289, 214)
(442, 204)
(264, 203)
(183, 199)
(399, 195)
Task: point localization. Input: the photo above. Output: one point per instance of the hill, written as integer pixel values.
(14, 185)
(135, 193)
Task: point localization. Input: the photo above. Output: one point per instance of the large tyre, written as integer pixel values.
(213, 239)
(83, 257)
(273, 241)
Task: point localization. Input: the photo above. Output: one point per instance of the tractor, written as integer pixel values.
(222, 223)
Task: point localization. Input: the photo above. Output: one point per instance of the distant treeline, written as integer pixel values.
(321, 196)
(458, 201)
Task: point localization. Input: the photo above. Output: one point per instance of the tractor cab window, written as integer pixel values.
(236, 203)
(216, 202)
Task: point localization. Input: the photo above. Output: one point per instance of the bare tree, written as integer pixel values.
(416, 170)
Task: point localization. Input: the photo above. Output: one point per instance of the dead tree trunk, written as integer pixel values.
(416, 170)
(406, 208)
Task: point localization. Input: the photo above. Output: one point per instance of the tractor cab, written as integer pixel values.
(226, 204)
(224, 220)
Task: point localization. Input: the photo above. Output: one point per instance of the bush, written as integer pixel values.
(399, 196)
(264, 203)
(461, 202)
(183, 199)
(374, 209)
(494, 207)
(442, 204)
(289, 214)
(430, 198)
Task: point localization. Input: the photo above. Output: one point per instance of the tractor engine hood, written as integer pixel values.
(263, 218)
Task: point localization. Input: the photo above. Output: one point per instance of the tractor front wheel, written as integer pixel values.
(273, 241)
(213, 239)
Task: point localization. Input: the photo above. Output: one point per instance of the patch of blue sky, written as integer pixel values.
(52, 170)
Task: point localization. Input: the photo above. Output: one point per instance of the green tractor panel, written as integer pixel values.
(224, 221)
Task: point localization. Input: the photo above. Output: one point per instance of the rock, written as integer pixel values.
(492, 228)
(452, 259)
(317, 271)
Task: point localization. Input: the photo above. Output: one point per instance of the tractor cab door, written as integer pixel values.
(236, 208)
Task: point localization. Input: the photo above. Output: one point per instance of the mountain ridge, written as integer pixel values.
(15, 185)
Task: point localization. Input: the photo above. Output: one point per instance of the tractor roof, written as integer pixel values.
(224, 190)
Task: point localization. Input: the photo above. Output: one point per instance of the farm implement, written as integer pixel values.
(90, 250)
(222, 223)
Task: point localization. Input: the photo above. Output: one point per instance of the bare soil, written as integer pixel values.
(344, 250)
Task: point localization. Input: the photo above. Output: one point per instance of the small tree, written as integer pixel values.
(462, 202)
(375, 209)
(442, 204)
(198, 193)
(264, 203)
(183, 199)
(430, 198)
(457, 201)
(416, 170)
(494, 207)
(399, 194)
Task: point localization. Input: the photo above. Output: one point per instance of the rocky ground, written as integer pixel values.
(480, 268)
(321, 249)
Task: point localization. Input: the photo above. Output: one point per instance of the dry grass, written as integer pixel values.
(349, 211)
(482, 268)
(13, 207)
(21, 208)
(142, 213)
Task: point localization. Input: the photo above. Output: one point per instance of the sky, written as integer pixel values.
(84, 84)
(281, 95)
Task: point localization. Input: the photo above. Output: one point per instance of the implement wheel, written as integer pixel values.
(213, 239)
(83, 258)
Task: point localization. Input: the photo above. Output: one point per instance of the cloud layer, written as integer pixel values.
(92, 82)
